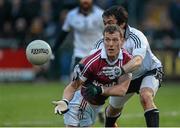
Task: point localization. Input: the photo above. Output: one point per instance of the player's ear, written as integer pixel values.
(122, 26)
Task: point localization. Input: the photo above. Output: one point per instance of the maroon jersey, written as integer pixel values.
(92, 72)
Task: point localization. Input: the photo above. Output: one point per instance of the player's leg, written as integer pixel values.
(112, 114)
(113, 111)
(101, 116)
(80, 113)
(149, 87)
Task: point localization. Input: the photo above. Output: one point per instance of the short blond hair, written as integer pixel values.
(113, 28)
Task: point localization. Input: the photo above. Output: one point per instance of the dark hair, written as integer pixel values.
(113, 28)
(118, 12)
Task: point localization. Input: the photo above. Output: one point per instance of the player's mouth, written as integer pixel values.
(110, 50)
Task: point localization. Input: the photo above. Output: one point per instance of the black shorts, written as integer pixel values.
(136, 83)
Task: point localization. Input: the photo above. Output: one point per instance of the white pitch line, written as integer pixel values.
(137, 115)
(29, 123)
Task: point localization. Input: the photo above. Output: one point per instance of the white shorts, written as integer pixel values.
(80, 113)
(148, 81)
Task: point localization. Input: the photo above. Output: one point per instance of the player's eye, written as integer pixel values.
(115, 39)
(107, 39)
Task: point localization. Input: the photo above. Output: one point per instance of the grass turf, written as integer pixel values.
(29, 104)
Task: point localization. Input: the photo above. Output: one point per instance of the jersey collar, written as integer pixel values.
(91, 10)
(104, 56)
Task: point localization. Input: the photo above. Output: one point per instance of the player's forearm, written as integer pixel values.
(70, 90)
(133, 64)
(60, 38)
(120, 89)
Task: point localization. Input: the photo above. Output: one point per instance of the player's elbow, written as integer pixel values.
(122, 92)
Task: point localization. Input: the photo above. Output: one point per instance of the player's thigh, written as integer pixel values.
(71, 117)
(119, 101)
(80, 113)
(150, 82)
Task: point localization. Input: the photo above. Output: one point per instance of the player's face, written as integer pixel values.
(110, 20)
(86, 4)
(113, 42)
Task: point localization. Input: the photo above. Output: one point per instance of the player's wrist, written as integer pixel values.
(99, 89)
(122, 71)
(102, 89)
(66, 101)
(119, 71)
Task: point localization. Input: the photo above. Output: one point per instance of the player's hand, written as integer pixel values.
(113, 72)
(92, 91)
(61, 106)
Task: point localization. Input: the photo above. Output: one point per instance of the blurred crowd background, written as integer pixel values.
(22, 21)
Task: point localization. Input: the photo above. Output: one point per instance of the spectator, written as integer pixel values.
(36, 29)
(32, 9)
(47, 17)
(20, 29)
(174, 13)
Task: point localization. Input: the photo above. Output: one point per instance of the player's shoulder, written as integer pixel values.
(73, 11)
(126, 53)
(126, 56)
(137, 36)
(97, 9)
(133, 32)
(93, 57)
(98, 43)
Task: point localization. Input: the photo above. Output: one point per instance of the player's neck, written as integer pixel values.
(112, 58)
(85, 11)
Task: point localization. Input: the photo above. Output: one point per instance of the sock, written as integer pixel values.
(110, 121)
(152, 118)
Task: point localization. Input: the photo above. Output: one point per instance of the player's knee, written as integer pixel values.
(146, 98)
(111, 111)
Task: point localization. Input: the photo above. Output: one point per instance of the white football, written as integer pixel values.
(38, 52)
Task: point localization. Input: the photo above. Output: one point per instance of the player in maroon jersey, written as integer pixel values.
(80, 109)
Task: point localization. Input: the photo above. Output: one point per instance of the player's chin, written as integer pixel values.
(110, 53)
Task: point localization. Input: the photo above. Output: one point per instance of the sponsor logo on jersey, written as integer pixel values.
(96, 83)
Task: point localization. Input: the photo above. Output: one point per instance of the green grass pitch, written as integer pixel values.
(29, 104)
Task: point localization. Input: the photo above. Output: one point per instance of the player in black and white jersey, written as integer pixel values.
(87, 26)
(146, 69)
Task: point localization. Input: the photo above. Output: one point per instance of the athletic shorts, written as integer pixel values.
(80, 113)
(152, 79)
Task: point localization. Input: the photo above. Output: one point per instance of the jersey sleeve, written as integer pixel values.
(86, 70)
(66, 26)
(139, 43)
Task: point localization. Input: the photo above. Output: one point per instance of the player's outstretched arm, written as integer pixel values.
(133, 64)
(121, 88)
(60, 38)
(62, 105)
(71, 89)
(116, 72)
(118, 90)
